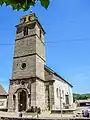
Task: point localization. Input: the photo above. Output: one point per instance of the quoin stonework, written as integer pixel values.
(32, 82)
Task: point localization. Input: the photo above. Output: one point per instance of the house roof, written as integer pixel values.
(2, 91)
(83, 101)
(50, 70)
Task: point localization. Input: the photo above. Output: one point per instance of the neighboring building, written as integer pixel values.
(33, 83)
(83, 104)
(3, 99)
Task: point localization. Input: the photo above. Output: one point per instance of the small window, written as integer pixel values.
(23, 66)
(1, 103)
(25, 31)
(67, 99)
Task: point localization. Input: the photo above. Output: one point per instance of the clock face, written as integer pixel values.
(23, 66)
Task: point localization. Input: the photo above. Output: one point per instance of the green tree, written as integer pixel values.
(80, 96)
(24, 4)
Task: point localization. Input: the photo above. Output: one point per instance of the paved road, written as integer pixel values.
(43, 115)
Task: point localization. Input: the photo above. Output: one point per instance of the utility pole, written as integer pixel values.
(60, 102)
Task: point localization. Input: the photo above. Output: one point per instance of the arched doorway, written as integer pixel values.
(22, 100)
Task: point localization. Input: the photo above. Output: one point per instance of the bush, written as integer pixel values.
(33, 109)
(30, 109)
(39, 110)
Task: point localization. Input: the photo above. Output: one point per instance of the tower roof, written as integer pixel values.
(30, 18)
(2, 90)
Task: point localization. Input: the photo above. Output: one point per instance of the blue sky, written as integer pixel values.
(67, 27)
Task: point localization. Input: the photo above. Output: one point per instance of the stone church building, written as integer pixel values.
(32, 82)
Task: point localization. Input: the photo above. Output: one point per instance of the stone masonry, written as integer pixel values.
(28, 66)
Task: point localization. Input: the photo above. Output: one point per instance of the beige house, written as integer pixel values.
(32, 82)
(3, 99)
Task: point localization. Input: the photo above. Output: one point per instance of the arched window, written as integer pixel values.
(25, 30)
(57, 92)
(63, 94)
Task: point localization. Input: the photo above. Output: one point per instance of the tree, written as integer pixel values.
(24, 4)
(80, 96)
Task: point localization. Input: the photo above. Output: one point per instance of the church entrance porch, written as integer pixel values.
(22, 101)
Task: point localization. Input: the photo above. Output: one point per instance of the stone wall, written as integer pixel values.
(48, 75)
(29, 71)
(40, 94)
(25, 46)
(14, 89)
(61, 88)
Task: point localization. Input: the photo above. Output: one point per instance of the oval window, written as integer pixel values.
(23, 65)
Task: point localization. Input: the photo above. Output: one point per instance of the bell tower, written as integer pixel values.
(28, 66)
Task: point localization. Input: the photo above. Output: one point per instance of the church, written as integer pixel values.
(33, 83)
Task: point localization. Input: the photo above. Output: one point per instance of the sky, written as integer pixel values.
(67, 40)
